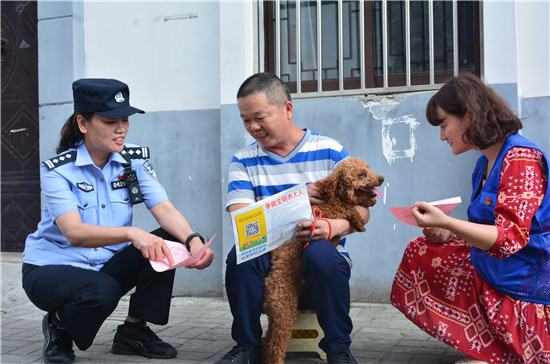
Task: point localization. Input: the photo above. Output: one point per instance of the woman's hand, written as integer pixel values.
(427, 215)
(437, 235)
(173, 222)
(433, 220)
(195, 245)
(151, 246)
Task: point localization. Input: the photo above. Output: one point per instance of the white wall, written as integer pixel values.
(533, 47)
(238, 41)
(498, 28)
(169, 51)
(516, 45)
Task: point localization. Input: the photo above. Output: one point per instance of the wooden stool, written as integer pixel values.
(306, 334)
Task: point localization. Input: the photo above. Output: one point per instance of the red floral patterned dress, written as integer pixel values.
(437, 287)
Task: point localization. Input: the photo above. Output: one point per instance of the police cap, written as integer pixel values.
(107, 97)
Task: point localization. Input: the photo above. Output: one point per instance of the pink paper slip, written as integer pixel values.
(405, 213)
(182, 257)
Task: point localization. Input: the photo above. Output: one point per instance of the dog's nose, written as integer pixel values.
(381, 179)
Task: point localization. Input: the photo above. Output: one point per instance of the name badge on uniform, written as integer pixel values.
(86, 187)
(116, 185)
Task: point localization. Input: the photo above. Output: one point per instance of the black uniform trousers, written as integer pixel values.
(85, 298)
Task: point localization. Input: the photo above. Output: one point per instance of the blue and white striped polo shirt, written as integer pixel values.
(256, 173)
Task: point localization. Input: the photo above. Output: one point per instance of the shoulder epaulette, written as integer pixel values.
(136, 152)
(60, 160)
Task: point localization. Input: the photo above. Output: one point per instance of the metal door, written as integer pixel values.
(20, 177)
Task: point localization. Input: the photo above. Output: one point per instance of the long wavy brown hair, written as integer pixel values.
(490, 116)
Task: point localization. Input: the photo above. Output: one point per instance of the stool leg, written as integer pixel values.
(306, 320)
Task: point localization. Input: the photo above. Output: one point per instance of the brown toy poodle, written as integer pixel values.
(351, 183)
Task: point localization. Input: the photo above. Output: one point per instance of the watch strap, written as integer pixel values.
(191, 236)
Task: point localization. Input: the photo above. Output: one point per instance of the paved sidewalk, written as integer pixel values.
(200, 330)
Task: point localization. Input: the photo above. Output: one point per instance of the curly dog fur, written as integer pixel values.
(351, 183)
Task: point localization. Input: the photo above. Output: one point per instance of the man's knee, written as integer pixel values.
(322, 260)
(319, 254)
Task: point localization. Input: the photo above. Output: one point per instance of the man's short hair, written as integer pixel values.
(276, 91)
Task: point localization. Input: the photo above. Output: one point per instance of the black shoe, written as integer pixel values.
(58, 345)
(341, 356)
(141, 341)
(240, 355)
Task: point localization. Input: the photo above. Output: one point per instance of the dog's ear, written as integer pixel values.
(346, 188)
(327, 186)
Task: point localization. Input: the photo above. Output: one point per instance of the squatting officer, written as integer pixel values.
(85, 255)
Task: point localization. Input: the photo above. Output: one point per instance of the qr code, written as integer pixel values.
(252, 229)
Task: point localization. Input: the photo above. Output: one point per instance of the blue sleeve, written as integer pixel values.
(240, 188)
(58, 196)
(151, 189)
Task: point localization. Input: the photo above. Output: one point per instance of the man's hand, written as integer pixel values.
(313, 194)
(322, 231)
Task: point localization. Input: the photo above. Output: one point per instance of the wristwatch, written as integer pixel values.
(191, 236)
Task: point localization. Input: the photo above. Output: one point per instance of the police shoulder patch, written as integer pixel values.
(135, 152)
(149, 169)
(60, 160)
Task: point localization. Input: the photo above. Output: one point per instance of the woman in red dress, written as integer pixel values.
(482, 286)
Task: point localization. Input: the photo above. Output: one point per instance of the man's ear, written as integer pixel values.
(289, 108)
(82, 124)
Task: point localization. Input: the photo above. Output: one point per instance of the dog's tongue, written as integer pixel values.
(377, 192)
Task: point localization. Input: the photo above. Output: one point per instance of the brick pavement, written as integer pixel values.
(200, 330)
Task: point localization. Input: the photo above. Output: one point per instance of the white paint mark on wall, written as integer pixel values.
(386, 192)
(394, 134)
(380, 106)
(390, 137)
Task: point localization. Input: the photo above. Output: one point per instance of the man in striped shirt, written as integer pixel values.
(284, 156)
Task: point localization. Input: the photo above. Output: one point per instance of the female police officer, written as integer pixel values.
(78, 263)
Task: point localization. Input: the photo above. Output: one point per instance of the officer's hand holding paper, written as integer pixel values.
(182, 257)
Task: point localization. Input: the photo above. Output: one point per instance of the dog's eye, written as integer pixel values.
(362, 174)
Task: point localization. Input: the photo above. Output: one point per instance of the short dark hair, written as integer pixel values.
(276, 91)
(490, 116)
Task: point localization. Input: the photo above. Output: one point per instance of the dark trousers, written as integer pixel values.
(327, 274)
(84, 298)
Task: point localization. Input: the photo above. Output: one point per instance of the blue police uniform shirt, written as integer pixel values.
(71, 181)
